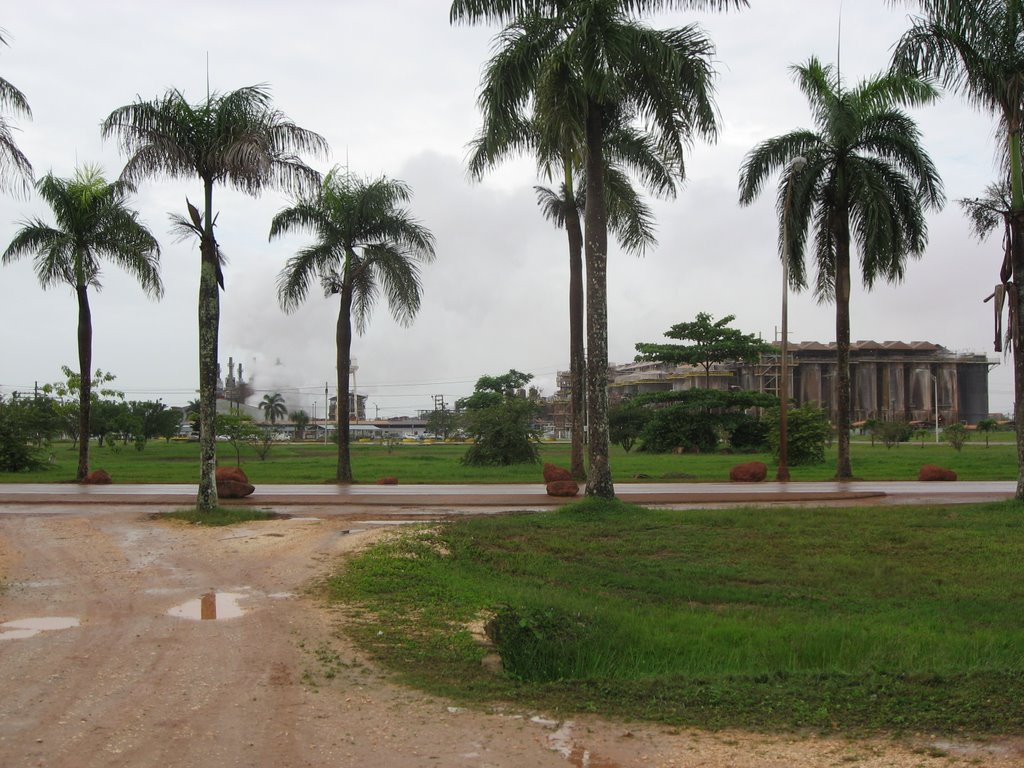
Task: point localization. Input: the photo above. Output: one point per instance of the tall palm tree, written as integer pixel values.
(92, 222)
(866, 179)
(273, 407)
(366, 244)
(631, 221)
(12, 160)
(586, 67)
(238, 139)
(301, 420)
(977, 50)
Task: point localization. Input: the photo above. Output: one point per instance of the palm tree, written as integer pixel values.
(301, 421)
(586, 67)
(631, 221)
(977, 50)
(237, 139)
(93, 222)
(866, 179)
(273, 407)
(12, 160)
(366, 244)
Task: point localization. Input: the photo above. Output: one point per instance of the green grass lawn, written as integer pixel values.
(178, 462)
(873, 618)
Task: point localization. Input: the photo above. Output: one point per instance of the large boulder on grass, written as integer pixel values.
(553, 473)
(932, 472)
(231, 489)
(235, 474)
(750, 472)
(563, 488)
(98, 477)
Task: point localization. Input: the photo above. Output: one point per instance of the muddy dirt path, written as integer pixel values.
(131, 681)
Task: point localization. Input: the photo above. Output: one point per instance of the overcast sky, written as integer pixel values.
(392, 87)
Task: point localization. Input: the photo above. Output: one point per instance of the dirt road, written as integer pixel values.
(124, 676)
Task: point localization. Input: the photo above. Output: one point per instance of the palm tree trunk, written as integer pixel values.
(344, 342)
(1017, 257)
(209, 322)
(844, 469)
(577, 355)
(599, 482)
(85, 370)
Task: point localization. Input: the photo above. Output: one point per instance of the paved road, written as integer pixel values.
(519, 495)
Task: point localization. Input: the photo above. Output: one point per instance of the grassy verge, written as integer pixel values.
(417, 463)
(219, 517)
(866, 618)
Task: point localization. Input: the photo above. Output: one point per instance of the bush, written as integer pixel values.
(750, 434)
(537, 644)
(25, 425)
(956, 435)
(679, 427)
(807, 432)
(892, 433)
(626, 424)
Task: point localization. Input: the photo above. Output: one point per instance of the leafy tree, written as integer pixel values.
(585, 68)
(977, 50)
(238, 139)
(26, 425)
(239, 430)
(626, 423)
(693, 419)
(301, 420)
(956, 435)
(986, 426)
(500, 421)
(262, 442)
(366, 244)
(750, 434)
(808, 433)
(443, 422)
(713, 342)
(12, 161)
(273, 407)
(892, 433)
(93, 222)
(866, 179)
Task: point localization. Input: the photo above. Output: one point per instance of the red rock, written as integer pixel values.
(231, 473)
(750, 472)
(387, 481)
(553, 473)
(232, 489)
(933, 472)
(563, 488)
(98, 477)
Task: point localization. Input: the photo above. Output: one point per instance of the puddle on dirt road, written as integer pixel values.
(19, 629)
(211, 606)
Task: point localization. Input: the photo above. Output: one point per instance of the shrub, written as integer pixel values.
(807, 432)
(537, 644)
(892, 433)
(750, 434)
(625, 424)
(678, 427)
(956, 435)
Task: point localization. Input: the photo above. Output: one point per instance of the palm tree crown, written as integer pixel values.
(865, 178)
(92, 222)
(12, 160)
(366, 244)
(273, 407)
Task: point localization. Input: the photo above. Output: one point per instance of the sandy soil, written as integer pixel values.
(136, 685)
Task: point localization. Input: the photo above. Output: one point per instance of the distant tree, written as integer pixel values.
(500, 421)
(12, 161)
(367, 244)
(712, 342)
(273, 407)
(26, 425)
(301, 420)
(93, 223)
(694, 419)
(956, 435)
(239, 430)
(263, 441)
(626, 423)
(986, 426)
(443, 422)
(238, 139)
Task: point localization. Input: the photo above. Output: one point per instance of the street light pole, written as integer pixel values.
(782, 474)
(935, 405)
